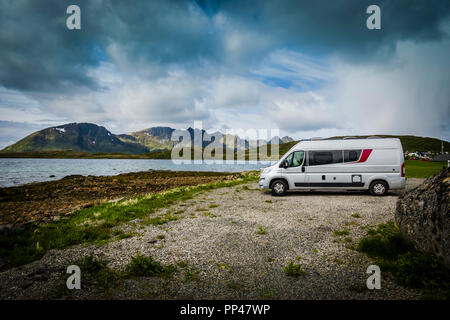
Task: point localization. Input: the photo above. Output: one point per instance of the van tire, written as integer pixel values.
(379, 188)
(279, 187)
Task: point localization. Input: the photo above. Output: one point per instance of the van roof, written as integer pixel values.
(348, 143)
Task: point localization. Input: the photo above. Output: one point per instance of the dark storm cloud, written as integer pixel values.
(326, 27)
(38, 53)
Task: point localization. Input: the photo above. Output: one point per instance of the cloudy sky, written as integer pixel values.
(309, 68)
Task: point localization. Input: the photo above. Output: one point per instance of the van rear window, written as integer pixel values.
(351, 155)
(317, 158)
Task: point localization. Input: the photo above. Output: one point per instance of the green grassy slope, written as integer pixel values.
(77, 137)
(414, 143)
(422, 169)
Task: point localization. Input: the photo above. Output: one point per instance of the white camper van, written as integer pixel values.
(373, 164)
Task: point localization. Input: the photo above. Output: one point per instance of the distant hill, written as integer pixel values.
(286, 139)
(155, 139)
(79, 137)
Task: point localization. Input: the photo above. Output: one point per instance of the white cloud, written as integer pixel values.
(300, 111)
(407, 96)
(302, 71)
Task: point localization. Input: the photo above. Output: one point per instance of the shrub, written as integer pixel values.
(145, 266)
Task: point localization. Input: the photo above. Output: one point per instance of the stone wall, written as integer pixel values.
(423, 215)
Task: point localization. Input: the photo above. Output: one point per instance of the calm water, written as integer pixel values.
(15, 172)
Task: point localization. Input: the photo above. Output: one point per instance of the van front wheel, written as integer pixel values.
(279, 188)
(379, 188)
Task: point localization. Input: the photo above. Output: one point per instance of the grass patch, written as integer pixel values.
(94, 273)
(98, 272)
(294, 270)
(160, 219)
(422, 169)
(120, 234)
(142, 266)
(191, 275)
(409, 266)
(343, 232)
(268, 201)
(209, 214)
(223, 266)
(36, 240)
(356, 215)
(267, 293)
(211, 206)
(261, 230)
(234, 285)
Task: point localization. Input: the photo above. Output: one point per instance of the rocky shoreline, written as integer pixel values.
(47, 201)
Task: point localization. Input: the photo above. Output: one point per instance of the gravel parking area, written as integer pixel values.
(233, 243)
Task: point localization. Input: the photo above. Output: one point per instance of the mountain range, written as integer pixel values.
(91, 138)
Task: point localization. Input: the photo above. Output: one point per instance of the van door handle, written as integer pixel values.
(303, 169)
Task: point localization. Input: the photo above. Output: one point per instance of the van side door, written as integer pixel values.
(325, 169)
(293, 171)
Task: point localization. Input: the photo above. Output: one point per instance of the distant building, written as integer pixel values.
(418, 155)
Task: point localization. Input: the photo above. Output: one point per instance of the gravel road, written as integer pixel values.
(235, 243)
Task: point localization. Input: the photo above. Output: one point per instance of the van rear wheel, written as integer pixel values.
(279, 188)
(379, 188)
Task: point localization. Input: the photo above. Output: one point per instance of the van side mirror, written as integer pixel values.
(284, 164)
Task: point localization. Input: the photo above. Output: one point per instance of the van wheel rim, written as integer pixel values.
(279, 188)
(379, 188)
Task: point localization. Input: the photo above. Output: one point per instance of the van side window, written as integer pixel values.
(317, 158)
(351, 155)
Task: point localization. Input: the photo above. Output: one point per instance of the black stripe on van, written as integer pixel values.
(329, 184)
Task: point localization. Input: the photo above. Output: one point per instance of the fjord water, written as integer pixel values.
(14, 172)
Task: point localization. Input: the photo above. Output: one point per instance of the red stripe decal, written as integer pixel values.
(365, 155)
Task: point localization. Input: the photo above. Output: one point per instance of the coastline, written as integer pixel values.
(84, 155)
(46, 201)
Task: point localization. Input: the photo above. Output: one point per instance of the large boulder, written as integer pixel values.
(423, 217)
